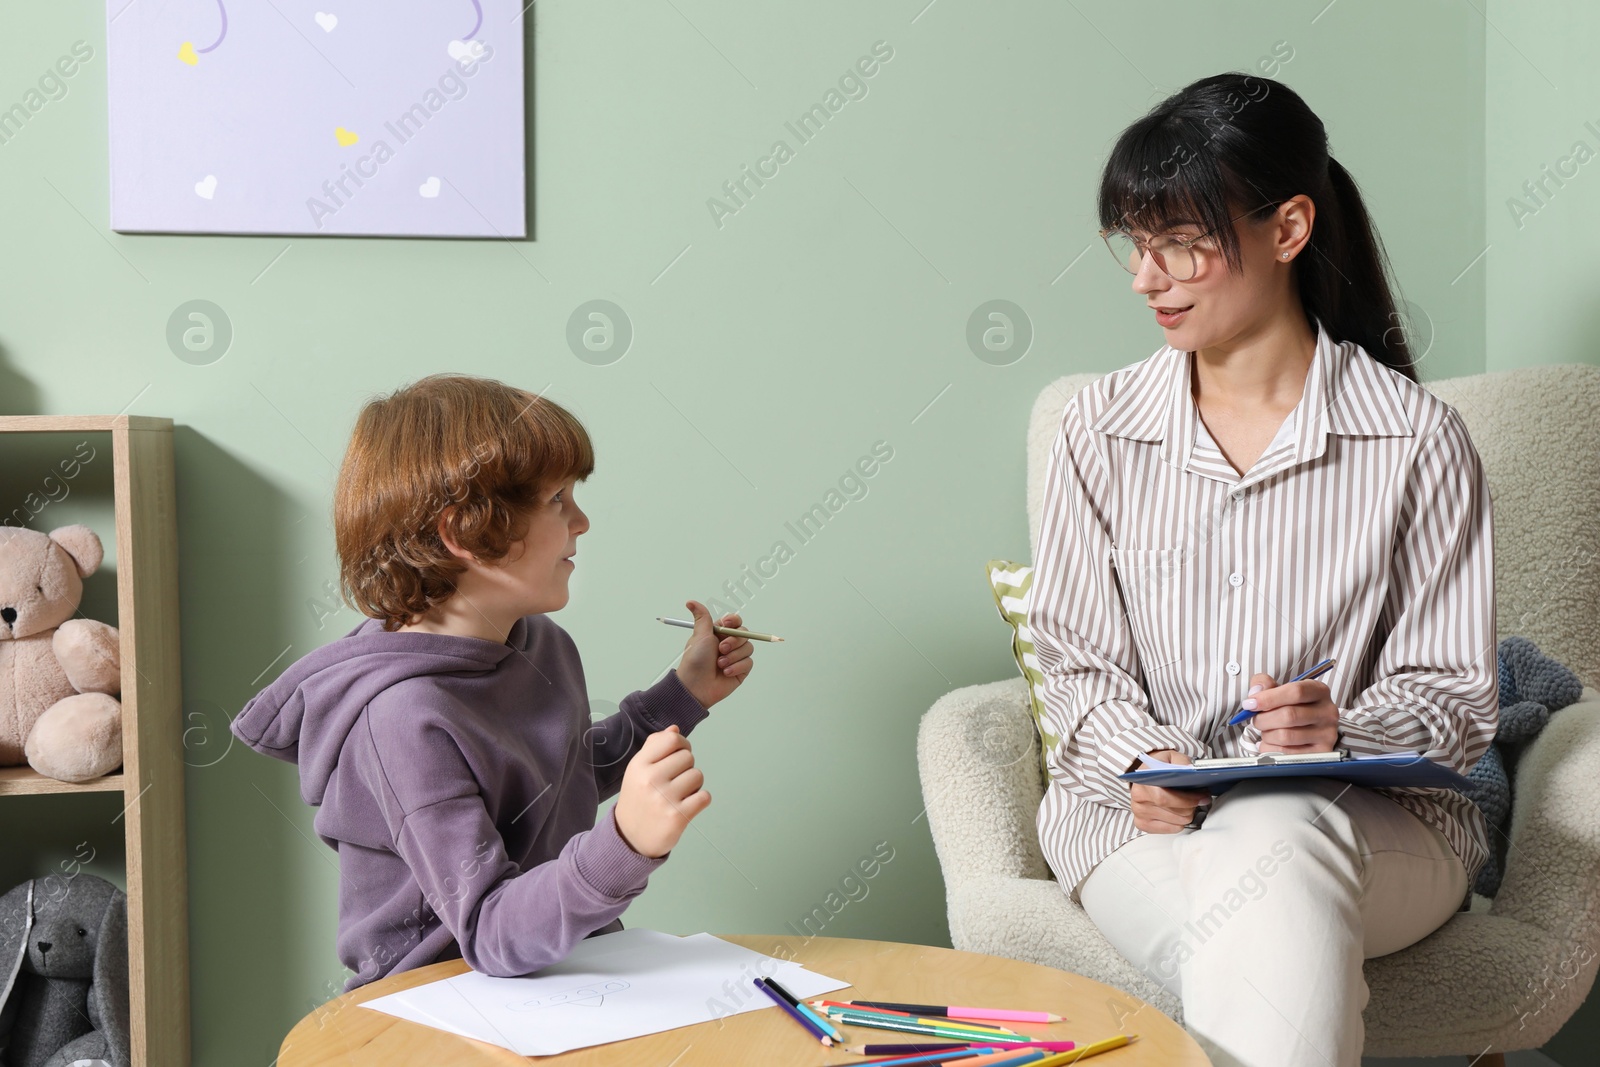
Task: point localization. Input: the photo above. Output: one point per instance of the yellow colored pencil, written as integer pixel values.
(1086, 1051)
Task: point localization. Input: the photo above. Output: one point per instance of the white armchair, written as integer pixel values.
(1505, 975)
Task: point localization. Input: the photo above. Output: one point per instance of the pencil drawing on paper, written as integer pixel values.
(588, 996)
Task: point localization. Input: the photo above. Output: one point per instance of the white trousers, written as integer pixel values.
(1259, 920)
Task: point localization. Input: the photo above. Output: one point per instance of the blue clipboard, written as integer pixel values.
(1393, 770)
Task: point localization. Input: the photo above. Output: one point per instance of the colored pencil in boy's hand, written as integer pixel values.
(712, 667)
(724, 631)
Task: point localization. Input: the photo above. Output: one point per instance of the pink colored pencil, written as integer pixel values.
(914, 1048)
(1002, 1015)
(954, 1012)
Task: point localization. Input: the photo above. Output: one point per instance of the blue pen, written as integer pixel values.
(1322, 668)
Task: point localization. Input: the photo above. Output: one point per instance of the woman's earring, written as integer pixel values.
(1286, 255)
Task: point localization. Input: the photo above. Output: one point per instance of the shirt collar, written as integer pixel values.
(1347, 392)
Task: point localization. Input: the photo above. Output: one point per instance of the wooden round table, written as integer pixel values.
(339, 1034)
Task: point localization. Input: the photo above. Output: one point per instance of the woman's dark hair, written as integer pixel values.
(1237, 139)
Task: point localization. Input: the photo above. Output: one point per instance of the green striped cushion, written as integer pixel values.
(1011, 584)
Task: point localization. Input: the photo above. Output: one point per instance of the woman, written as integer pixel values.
(1270, 488)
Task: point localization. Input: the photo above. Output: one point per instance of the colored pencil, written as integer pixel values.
(725, 631)
(895, 1050)
(975, 1057)
(794, 1013)
(1086, 1051)
(1006, 1036)
(890, 1023)
(819, 1020)
(931, 1020)
(1010, 1057)
(950, 1011)
(953, 1031)
(922, 1029)
(932, 1059)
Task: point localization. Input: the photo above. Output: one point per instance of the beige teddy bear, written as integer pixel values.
(59, 676)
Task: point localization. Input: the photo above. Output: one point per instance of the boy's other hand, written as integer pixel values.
(1157, 810)
(661, 791)
(713, 666)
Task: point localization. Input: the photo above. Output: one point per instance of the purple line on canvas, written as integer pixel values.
(212, 46)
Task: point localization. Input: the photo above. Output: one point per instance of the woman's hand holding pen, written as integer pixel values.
(713, 667)
(1293, 717)
(1157, 810)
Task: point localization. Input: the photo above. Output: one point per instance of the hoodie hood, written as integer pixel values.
(305, 715)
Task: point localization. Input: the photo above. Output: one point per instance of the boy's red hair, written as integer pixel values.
(473, 452)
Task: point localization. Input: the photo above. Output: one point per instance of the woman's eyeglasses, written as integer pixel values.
(1176, 256)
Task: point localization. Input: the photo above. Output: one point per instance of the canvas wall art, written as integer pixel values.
(317, 117)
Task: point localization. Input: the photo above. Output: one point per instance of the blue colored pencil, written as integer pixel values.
(810, 1026)
(827, 1027)
(1032, 1055)
(932, 1057)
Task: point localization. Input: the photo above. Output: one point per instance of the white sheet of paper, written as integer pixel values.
(611, 987)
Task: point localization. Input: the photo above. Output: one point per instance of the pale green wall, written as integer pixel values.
(822, 318)
(1542, 97)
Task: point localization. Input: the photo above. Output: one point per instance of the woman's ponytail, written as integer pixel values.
(1343, 279)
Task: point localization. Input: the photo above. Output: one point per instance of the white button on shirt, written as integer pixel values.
(1365, 529)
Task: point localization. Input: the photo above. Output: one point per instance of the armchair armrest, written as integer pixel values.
(978, 760)
(1553, 864)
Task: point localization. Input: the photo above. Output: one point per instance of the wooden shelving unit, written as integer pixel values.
(151, 779)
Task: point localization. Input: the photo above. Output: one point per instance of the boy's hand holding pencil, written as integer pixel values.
(713, 666)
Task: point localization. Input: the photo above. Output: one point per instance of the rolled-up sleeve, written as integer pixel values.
(1437, 688)
(507, 920)
(616, 739)
(1093, 700)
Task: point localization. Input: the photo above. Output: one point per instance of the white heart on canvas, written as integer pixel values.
(208, 188)
(327, 21)
(429, 188)
(465, 51)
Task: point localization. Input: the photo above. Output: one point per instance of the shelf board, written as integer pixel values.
(80, 423)
(18, 780)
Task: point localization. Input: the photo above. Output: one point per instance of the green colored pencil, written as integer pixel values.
(884, 1022)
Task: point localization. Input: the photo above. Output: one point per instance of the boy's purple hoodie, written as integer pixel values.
(459, 779)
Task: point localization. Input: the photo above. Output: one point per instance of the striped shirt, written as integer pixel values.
(1164, 579)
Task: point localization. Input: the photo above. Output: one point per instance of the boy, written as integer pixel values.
(446, 741)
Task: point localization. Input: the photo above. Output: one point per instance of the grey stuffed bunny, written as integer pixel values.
(64, 973)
